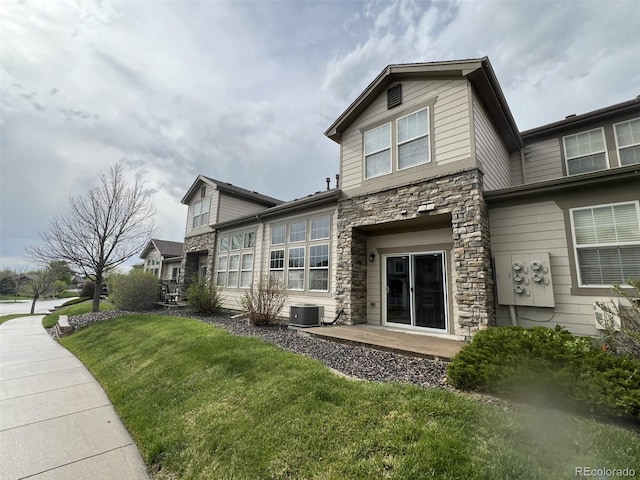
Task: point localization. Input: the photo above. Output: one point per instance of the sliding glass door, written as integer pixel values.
(416, 290)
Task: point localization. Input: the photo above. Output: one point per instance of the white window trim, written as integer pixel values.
(575, 243)
(615, 134)
(567, 158)
(304, 222)
(296, 269)
(245, 270)
(284, 260)
(366, 154)
(285, 234)
(327, 268)
(398, 143)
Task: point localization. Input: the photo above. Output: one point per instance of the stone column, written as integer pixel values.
(351, 277)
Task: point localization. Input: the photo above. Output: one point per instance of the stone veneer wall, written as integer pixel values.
(194, 247)
(459, 194)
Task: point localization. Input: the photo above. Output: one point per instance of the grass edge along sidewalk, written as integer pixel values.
(202, 403)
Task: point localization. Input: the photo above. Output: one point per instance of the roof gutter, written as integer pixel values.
(628, 173)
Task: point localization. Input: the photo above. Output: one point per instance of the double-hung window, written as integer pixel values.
(298, 232)
(585, 152)
(278, 235)
(221, 276)
(246, 272)
(295, 271)
(413, 139)
(320, 228)
(319, 268)
(628, 141)
(607, 243)
(276, 265)
(234, 264)
(377, 151)
(201, 213)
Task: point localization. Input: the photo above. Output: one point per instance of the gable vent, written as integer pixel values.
(394, 96)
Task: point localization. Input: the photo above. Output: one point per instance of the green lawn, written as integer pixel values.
(78, 309)
(11, 298)
(204, 404)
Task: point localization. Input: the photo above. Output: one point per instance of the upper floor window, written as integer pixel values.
(377, 151)
(585, 152)
(201, 213)
(413, 139)
(607, 243)
(628, 141)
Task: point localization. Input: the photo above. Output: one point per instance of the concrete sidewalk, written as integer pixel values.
(56, 422)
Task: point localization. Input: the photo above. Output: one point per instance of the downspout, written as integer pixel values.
(522, 166)
(513, 315)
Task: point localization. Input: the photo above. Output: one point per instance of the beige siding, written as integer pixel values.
(213, 196)
(233, 207)
(540, 227)
(516, 168)
(490, 150)
(451, 140)
(543, 160)
(412, 242)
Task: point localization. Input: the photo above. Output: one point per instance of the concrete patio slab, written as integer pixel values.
(412, 344)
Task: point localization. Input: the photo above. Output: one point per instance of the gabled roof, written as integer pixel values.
(166, 248)
(230, 189)
(477, 70)
(573, 121)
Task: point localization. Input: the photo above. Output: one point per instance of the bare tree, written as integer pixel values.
(105, 228)
(39, 283)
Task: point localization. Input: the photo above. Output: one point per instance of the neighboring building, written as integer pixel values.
(164, 259)
(447, 219)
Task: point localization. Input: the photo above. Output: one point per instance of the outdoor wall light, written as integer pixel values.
(372, 256)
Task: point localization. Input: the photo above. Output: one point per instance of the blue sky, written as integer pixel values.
(243, 91)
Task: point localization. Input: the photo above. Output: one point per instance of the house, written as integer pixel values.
(164, 259)
(447, 218)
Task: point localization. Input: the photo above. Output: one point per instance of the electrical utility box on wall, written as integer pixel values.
(524, 279)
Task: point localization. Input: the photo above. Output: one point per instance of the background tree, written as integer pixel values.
(105, 228)
(8, 282)
(39, 283)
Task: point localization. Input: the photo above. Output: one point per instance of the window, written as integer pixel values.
(201, 213)
(175, 274)
(585, 152)
(224, 244)
(607, 243)
(298, 232)
(221, 276)
(276, 265)
(235, 260)
(413, 139)
(278, 235)
(249, 240)
(377, 151)
(295, 272)
(232, 277)
(320, 228)
(319, 268)
(236, 241)
(246, 273)
(628, 141)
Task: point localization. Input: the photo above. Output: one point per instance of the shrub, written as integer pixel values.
(623, 338)
(88, 288)
(135, 291)
(515, 362)
(263, 303)
(203, 298)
